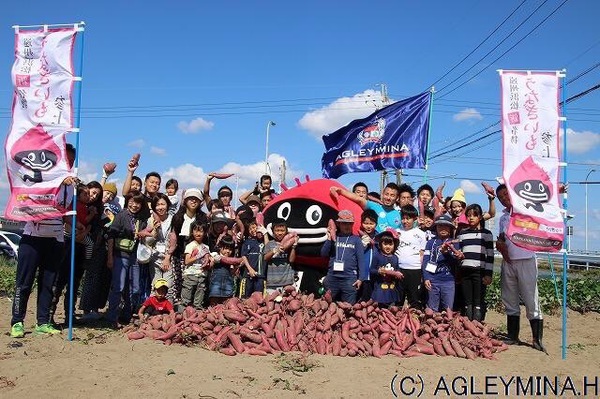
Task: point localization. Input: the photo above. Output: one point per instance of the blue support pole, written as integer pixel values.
(564, 180)
(432, 91)
(81, 27)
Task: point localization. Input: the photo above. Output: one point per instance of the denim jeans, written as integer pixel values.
(441, 295)
(341, 288)
(125, 285)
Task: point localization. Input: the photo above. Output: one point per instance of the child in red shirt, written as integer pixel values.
(157, 303)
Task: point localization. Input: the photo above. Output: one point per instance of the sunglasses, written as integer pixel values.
(225, 194)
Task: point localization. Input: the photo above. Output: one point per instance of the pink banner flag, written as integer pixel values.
(35, 148)
(530, 137)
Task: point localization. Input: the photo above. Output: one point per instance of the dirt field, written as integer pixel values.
(101, 363)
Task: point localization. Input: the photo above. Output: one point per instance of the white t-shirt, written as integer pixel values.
(195, 268)
(412, 242)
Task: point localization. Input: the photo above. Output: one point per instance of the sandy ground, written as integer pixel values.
(101, 363)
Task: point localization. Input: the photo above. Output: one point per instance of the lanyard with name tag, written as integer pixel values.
(338, 263)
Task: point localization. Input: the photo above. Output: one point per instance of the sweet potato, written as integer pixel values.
(294, 305)
(425, 349)
(469, 326)
(229, 351)
(375, 349)
(220, 175)
(273, 344)
(132, 335)
(438, 348)
(256, 352)
(169, 334)
(407, 341)
(385, 348)
(288, 289)
(336, 345)
(302, 347)
(291, 335)
(457, 348)
(236, 342)
(346, 332)
(281, 342)
(448, 348)
(251, 336)
(469, 353)
(321, 346)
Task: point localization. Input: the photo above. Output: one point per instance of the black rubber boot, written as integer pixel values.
(512, 325)
(477, 315)
(469, 312)
(537, 329)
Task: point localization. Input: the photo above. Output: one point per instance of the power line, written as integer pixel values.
(590, 69)
(471, 135)
(479, 45)
(504, 53)
(462, 145)
(495, 47)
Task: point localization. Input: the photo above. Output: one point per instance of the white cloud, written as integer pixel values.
(467, 114)
(340, 112)
(245, 176)
(249, 174)
(469, 187)
(580, 142)
(158, 151)
(187, 175)
(87, 172)
(139, 143)
(195, 126)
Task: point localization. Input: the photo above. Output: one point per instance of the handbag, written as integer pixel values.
(144, 253)
(127, 244)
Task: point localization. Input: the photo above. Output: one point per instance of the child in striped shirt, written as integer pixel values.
(477, 245)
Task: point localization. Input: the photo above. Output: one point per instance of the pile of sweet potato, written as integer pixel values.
(297, 322)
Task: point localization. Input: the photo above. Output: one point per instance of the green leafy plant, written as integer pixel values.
(583, 293)
(8, 274)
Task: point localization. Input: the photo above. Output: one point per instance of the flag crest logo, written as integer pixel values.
(373, 133)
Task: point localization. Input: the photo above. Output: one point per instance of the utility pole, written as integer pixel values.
(282, 170)
(385, 100)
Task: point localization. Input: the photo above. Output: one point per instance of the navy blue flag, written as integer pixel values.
(394, 137)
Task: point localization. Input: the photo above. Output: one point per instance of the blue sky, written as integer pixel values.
(192, 85)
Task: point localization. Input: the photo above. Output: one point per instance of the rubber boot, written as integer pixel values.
(469, 312)
(477, 314)
(537, 329)
(512, 325)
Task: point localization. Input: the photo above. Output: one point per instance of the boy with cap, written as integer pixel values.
(157, 303)
(439, 261)
(346, 259)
